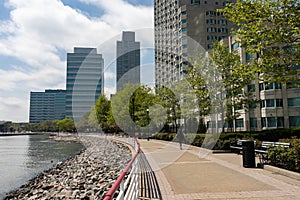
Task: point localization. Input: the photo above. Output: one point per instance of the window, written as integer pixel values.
(249, 57)
(209, 46)
(211, 29)
(294, 102)
(252, 105)
(211, 21)
(279, 103)
(271, 103)
(210, 13)
(195, 1)
(222, 21)
(228, 124)
(294, 121)
(239, 123)
(261, 86)
(234, 46)
(253, 123)
(251, 88)
(238, 107)
(222, 30)
(269, 86)
(221, 37)
(272, 122)
(211, 37)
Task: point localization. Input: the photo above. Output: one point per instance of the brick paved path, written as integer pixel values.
(195, 173)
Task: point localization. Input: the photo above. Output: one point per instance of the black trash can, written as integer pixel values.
(248, 154)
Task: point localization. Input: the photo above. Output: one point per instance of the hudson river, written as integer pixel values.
(24, 157)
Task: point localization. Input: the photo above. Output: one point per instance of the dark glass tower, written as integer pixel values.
(48, 105)
(128, 60)
(84, 81)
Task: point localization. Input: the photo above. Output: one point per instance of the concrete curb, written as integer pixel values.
(284, 172)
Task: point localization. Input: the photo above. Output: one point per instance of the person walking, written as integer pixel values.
(180, 137)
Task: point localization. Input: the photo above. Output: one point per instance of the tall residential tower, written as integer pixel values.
(179, 24)
(128, 60)
(84, 81)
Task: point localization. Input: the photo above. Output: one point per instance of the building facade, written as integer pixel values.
(179, 24)
(48, 105)
(276, 105)
(84, 81)
(128, 60)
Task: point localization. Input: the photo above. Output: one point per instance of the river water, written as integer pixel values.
(24, 157)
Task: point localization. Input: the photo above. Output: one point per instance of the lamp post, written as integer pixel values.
(148, 123)
(132, 99)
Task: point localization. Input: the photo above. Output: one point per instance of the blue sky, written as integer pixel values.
(35, 36)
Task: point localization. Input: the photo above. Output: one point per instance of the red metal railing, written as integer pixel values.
(116, 185)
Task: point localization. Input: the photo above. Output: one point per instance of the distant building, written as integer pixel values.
(48, 105)
(128, 59)
(84, 81)
(181, 27)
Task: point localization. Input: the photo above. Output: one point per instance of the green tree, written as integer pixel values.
(270, 30)
(170, 102)
(102, 108)
(83, 123)
(92, 119)
(131, 103)
(67, 125)
(235, 77)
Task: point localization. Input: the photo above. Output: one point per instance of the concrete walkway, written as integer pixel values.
(195, 173)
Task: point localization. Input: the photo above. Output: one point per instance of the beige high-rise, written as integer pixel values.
(179, 24)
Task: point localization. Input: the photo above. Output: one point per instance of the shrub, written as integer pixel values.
(288, 158)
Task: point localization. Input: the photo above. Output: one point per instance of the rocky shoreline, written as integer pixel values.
(88, 175)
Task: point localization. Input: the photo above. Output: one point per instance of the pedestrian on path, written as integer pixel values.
(180, 137)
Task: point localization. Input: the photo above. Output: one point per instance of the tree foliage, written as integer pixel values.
(270, 30)
(67, 125)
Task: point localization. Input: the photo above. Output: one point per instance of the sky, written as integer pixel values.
(35, 36)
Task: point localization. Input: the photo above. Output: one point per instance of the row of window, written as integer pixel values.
(263, 86)
(205, 2)
(266, 122)
(271, 103)
(213, 21)
(213, 13)
(213, 37)
(219, 30)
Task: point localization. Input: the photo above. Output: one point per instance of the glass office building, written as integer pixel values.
(48, 105)
(84, 81)
(128, 60)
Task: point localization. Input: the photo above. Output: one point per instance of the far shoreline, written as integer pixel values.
(32, 133)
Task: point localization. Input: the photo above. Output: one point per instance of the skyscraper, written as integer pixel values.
(179, 24)
(48, 105)
(84, 81)
(128, 60)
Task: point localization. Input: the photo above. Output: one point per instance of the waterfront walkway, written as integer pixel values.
(195, 173)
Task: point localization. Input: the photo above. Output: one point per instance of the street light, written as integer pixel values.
(148, 123)
(132, 117)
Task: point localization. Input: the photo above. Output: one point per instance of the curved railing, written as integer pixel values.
(128, 188)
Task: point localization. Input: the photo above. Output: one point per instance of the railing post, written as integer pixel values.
(122, 190)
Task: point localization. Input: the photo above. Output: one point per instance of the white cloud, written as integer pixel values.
(39, 30)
